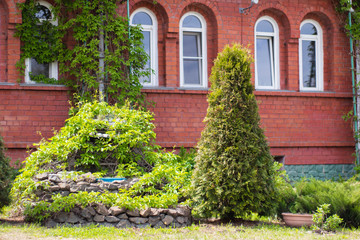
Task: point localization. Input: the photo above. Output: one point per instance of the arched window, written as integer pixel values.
(193, 67)
(49, 70)
(311, 56)
(267, 73)
(148, 22)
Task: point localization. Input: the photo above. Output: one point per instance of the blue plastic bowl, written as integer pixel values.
(111, 179)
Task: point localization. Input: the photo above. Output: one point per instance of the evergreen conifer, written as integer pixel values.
(234, 172)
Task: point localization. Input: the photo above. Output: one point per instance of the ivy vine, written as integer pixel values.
(74, 44)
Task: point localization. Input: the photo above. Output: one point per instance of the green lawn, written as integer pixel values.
(263, 231)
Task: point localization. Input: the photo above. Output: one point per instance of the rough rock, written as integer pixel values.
(138, 220)
(112, 219)
(50, 223)
(101, 209)
(124, 224)
(42, 176)
(86, 213)
(54, 178)
(154, 212)
(61, 217)
(145, 213)
(116, 210)
(154, 220)
(73, 218)
(133, 213)
(183, 211)
(99, 218)
(64, 186)
(181, 219)
(160, 224)
(54, 188)
(168, 220)
(123, 216)
(91, 210)
(172, 212)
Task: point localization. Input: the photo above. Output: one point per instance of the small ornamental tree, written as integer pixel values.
(234, 172)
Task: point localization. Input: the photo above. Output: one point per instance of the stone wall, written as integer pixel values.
(122, 218)
(65, 183)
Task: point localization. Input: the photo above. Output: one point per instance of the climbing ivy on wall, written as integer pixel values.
(344, 6)
(74, 43)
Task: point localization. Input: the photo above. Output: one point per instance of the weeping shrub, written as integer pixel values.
(234, 172)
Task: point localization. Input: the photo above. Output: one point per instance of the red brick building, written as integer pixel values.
(301, 75)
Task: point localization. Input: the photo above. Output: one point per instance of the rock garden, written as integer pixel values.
(68, 180)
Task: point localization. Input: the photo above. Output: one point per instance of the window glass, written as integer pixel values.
(193, 51)
(308, 29)
(147, 48)
(192, 71)
(191, 21)
(191, 45)
(267, 73)
(43, 13)
(142, 18)
(148, 22)
(309, 63)
(37, 68)
(48, 70)
(264, 61)
(264, 26)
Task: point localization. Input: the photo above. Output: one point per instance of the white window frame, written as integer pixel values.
(196, 31)
(53, 67)
(153, 29)
(274, 52)
(318, 39)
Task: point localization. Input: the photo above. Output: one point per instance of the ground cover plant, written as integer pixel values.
(234, 172)
(97, 133)
(309, 194)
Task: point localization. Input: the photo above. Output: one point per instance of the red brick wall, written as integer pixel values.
(27, 111)
(306, 128)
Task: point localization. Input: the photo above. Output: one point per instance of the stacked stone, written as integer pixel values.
(60, 183)
(122, 218)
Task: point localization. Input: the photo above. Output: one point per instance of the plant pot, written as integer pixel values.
(298, 219)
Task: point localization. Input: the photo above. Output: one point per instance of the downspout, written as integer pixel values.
(128, 17)
(354, 88)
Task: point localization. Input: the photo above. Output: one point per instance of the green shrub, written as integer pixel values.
(234, 173)
(7, 175)
(323, 222)
(343, 197)
(97, 133)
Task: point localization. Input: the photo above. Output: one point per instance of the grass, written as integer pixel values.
(264, 231)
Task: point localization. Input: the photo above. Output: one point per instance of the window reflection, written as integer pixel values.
(266, 54)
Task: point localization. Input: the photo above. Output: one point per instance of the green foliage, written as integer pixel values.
(234, 173)
(307, 195)
(126, 139)
(322, 222)
(344, 6)
(7, 175)
(78, 53)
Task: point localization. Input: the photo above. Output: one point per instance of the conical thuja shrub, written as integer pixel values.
(234, 172)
